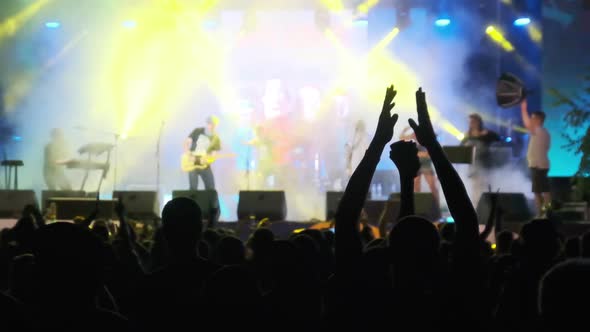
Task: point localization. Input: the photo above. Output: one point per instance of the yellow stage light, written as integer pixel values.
(366, 6)
(12, 24)
(333, 5)
(385, 41)
(535, 33)
(499, 39)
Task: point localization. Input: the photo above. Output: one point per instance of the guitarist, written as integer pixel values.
(202, 143)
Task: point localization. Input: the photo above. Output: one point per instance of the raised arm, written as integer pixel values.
(405, 156)
(348, 247)
(467, 235)
(524, 112)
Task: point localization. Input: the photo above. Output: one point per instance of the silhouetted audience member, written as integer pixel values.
(563, 296)
(174, 293)
(230, 251)
(69, 270)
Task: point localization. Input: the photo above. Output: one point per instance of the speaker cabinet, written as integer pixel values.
(47, 194)
(262, 204)
(514, 205)
(424, 205)
(12, 202)
(140, 205)
(70, 208)
(208, 201)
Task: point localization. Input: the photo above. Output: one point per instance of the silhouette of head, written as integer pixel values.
(230, 251)
(261, 242)
(540, 241)
(564, 293)
(182, 224)
(475, 122)
(538, 118)
(69, 263)
(101, 230)
(414, 241)
(447, 232)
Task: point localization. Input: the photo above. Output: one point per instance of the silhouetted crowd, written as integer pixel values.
(89, 276)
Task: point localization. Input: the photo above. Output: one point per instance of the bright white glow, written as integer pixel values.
(522, 21)
(129, 24)
(442, 22)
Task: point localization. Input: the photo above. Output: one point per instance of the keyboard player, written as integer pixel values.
(55, 157)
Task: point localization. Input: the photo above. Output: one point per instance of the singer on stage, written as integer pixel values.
(200, 150)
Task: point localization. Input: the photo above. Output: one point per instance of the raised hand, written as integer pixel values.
(404, 155)
(424, 131)
(384, 132)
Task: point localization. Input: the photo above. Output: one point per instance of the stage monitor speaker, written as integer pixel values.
(47, 194)
(12, 202)
(332, 201)
(460, 154)
(374, 209)
(70, 208)
(514, 205)
(424, 205)
(208, 201)
(510, 91)
(141, 205)
(562, 189)
(262, 204)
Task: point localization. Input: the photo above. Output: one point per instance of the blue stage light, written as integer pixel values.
(522, 21)
(52, 25)
(508, 139)
(442, 22)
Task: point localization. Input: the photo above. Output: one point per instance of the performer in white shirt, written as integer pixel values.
(537, 156)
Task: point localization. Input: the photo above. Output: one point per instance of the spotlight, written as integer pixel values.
(522, 21)
(129, 24)
(508, 139)
(442, 22)
(450, 220)
(52, 25)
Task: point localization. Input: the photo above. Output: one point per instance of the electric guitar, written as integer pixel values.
(191, 162)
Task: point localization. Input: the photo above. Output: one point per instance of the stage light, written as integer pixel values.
(129, 24)
(361, 22)
(364, 7)
(52, 25)
(494, 246)
(450, 220)
(522, 21)
(12, 24)
(508, 139)
(386, 40)
(17, 138)
(499, 39)
(442, 22)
